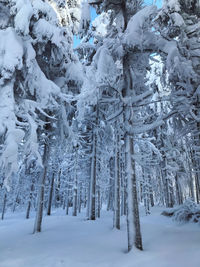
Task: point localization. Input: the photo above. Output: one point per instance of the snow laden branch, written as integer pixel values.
(141, 129)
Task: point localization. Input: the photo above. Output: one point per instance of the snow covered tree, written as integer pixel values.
(119, 63)
(178, 24)
(34, 77)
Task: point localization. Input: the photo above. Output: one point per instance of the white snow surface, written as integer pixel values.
(67, 241)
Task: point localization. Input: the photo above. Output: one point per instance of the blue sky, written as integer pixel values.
(93, 15)
(158, 2)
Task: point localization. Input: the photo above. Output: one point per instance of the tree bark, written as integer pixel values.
(75, 189)
(40, 198)
(99, 202)
(92, 202)
(133, 219)
(117, 185)
(110, 193)
(179, 196)
(29, 201)
(50, 195)
(80, 198)
(4, 206)
(57, 190)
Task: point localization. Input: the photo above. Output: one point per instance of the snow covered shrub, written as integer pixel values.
(189, 211)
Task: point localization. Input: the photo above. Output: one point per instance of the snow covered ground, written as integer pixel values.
(68, 241)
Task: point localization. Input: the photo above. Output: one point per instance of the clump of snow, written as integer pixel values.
(23, 16)
(13, 135)
(43, 7)
(187, 212)
(177, 19)
(106, 69)
(43, 31)
(75, 72)
(172, 5)
(85, 17)
(100, 24)
(138, 26)
(10, 59)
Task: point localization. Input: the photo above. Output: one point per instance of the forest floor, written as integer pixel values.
(67, 241)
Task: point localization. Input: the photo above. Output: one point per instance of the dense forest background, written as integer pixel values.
(114, 122)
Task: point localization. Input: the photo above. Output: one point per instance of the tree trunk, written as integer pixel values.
(75, 189)
(29, 201)
(80, 198)
(123, 181)
(145, 191)
(195, 154)
(50, 195)
(15, 202)
(197, 185)
(67, 202)
(75, 197)
(85, 196)
(99, 202)
(93, 182)
(189, 165)
(110, 193)
(133, 219)
(4, 206)
(57, 190)
(40, 198)
(92, 202)
(179, 196)
(123, 197)
(151, 192)
(117, 185)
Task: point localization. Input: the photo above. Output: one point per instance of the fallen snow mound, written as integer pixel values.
(187, 212)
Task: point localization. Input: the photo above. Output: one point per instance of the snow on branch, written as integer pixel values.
(147, 127)
(137, 33)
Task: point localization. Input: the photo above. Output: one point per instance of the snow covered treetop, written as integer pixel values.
(68, 13)
(187, 6)
(85, 18)
(128, 7)
(138, 32)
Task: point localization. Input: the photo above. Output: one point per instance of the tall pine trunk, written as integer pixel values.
(179, 196)
(50, 195)
(40, 197)
(133, 218)
(93, 178)
(99, 202)
(4, 206)
(110, 191)
(75, 189)
(29, 201)
(117, 185)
